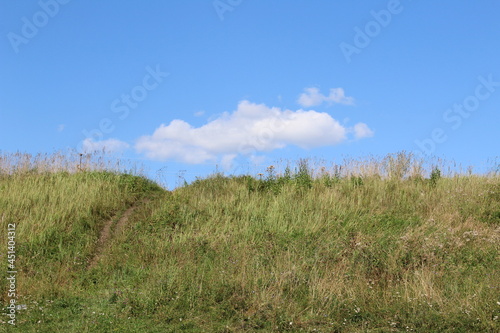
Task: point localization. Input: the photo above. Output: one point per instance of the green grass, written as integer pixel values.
(396, 250)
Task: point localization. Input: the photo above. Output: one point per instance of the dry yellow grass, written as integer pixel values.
(379, 245)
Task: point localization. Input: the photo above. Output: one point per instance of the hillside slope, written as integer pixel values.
(237, 254)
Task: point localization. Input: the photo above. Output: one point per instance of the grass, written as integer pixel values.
(386, 245)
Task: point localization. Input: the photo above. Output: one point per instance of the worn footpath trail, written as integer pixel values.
(109, 231)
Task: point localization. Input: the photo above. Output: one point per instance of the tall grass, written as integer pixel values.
(59, 213)
(358, 252)
(391, 244)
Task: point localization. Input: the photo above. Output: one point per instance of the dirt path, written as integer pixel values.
(107, 234)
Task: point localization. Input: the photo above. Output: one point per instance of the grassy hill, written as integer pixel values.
(398, 249)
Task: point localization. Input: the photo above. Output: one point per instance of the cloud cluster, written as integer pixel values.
(251, 128)
(312, 97)
(361, 130)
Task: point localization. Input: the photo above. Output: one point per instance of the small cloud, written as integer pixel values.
(199, 113)
(257, 159)
(61, 127)
(227, 161)
(312, 97)
(361, 130)
(110, 145)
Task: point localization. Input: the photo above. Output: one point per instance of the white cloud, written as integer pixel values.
(61, 127)
(257, 159)
(227, 161)
(312, 97)
(251, 128)
(110, 145)
(361, 130)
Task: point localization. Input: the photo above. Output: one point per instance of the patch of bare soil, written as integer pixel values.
(107, 234)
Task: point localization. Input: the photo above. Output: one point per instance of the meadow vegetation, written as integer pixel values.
(378, 245)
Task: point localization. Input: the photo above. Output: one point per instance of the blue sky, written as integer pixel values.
(191, 85)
